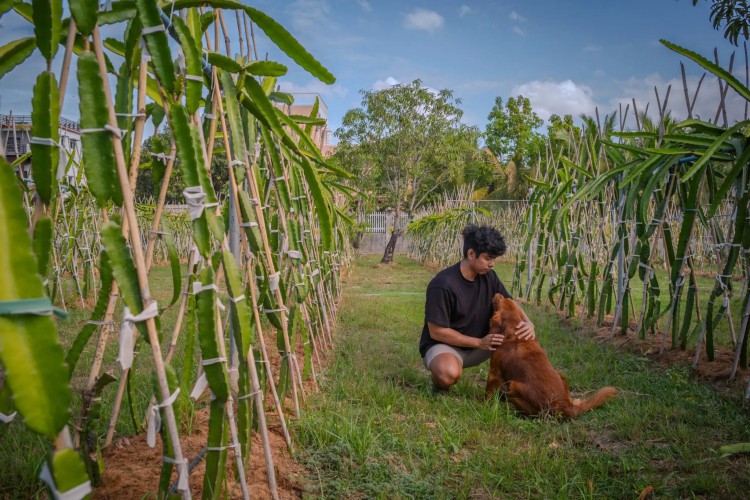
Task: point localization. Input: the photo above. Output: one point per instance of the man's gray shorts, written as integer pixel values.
(467, 358)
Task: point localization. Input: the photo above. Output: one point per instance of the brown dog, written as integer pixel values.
(521, 369)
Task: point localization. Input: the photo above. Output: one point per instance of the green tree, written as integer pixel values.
(734, 15)
(562, 134)
(511, 135)
(405, 145)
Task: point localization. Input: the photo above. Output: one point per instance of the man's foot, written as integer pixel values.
(438, 391)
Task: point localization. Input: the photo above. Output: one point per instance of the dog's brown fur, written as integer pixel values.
(521, 369)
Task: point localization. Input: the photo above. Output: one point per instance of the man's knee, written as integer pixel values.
(446, 370)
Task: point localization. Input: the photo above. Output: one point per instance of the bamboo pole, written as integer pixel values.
(230, 412)
(137, 250)
(258, 397)
(160, 207)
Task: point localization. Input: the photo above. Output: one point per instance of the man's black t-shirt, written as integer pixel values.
(460, 304)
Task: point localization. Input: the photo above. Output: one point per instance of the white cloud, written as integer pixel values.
(423, 19)
(592, 48)
(385, 84)
(518, 31)
(314, 87)
(560, 98)
(365, 5)
(706, 104)
(600, 73)
(515, 16)
(463, 10)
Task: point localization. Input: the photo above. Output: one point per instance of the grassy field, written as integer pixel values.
(376, 430)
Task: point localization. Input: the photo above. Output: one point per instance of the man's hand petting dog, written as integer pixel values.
(491, 342)
(524, 331)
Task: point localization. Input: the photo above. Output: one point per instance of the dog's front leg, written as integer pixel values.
(494, 378)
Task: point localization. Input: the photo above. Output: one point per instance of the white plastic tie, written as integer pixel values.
(162, 156)
(280, 309)
(199, 287)
(75, 493)
(107, 128)
(194, 197)
(294, 254)
(147, 30)
(199, 387)
(182, 470)
(128, 327)
(154, 417)
(720, 279)
(213, 361)
(44, 141)
(237, 299)
(221, 448)
(6, 419)
(194, 78)
(250, 395)
(248, 224)
(273, 281)
(236, 162)
(209, 116)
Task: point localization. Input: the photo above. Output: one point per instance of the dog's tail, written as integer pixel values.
(598, 399)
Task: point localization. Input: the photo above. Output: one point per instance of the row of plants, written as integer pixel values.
(643, 213)
(262, 265)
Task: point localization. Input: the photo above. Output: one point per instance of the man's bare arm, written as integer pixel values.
(452, 337)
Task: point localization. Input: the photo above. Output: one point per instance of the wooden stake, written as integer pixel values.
(140, 264)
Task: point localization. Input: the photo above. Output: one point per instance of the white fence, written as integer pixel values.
(382, 222)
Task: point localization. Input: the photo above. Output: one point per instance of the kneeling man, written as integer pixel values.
(458, 310)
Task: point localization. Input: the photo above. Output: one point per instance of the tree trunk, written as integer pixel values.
(390, 248)
(357, 241)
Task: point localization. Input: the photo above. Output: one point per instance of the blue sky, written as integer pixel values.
(566, 56)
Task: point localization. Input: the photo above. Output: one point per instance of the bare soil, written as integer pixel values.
(132, 468)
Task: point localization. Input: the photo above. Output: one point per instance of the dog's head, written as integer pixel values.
(507, 315)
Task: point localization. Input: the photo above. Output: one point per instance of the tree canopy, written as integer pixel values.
(734, 15)
(511, 131)
(405, 145)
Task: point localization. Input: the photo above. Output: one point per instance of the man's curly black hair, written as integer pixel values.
(483, 239)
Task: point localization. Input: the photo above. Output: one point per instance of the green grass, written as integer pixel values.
(375, 429)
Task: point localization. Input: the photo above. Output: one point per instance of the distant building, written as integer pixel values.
(303, 105)
(15, 135)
